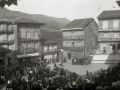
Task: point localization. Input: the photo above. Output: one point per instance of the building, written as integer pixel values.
(109, 32)
(49, 50)
(118, 2)
(79, 37)
(22, 36)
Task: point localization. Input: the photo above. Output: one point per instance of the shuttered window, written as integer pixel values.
(115, 24)
(105, 24)
(3, 27)
(4, 37)
(100, 24)
(28, 34)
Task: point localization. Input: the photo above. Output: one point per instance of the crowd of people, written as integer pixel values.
(38, 76)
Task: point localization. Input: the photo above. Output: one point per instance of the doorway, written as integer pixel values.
(69, 55)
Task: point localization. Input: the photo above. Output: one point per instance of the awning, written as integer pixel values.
(27, 55)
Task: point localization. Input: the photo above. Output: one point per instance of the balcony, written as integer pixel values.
(6, 31)
(109, 29)
(6, 42)
(49, 51)
(73, 49)
(28, 51)
(108, 39)
(73, 38)
(30, 39)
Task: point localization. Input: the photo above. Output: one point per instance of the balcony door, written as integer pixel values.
(73, 44)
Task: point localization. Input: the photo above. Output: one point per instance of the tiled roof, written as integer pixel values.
(115, 14)
(78, 23)
(25, 20)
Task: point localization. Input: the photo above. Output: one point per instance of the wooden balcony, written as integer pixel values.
(30, 39)
(6, 41)
(73, 38)
(108, 39)
(28, 51)
(49, 51)
(7, 31)
(73, 49)
(109, 29)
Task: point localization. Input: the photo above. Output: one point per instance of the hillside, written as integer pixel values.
(52, 23)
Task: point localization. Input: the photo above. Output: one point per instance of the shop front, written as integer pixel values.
(28, 58)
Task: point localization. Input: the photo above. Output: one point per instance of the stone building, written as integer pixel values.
(109, 31)
(22, 36)
(79, 37)
(49, 50)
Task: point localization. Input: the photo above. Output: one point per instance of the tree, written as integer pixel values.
(7, 2)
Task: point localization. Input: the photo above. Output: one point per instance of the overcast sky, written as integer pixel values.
(70, 9)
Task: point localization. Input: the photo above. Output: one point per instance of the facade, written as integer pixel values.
(109, 32)
(79, 37)
(49, 50)
(22, 37)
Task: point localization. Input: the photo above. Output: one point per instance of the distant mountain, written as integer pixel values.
(52, 23)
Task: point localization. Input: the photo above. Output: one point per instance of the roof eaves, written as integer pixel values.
(71, 29)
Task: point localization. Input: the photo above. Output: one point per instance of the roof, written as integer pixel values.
(111, 14)
(25, 20)
(20, 20)
(78, 23)
(45, 41)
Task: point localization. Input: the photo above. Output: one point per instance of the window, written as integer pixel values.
(116, 35)
(78, 43)
(4, 37)
(5, 46)
(67, 44)
(36, 46)
(106, 34)
(100, 24)
(3, 27)
(111, 34)
(115, 24)
(35, 35)
(73, 44)
(28, 35)
(105, 24)
(101, 34)
(103, 46)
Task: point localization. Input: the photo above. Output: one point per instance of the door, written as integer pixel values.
(111, 48)
(69, 56)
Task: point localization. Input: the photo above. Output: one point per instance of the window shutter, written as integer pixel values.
(100, 24)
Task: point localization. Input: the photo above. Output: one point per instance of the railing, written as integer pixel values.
(108, 39)
(108, 28)
(6, 41)
(73, 37)
(75, 48)
(28, 50)
(30, 39)
(50, 50)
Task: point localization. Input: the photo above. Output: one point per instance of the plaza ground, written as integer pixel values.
(82, 69)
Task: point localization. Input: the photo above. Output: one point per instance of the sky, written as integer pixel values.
(70, 9)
